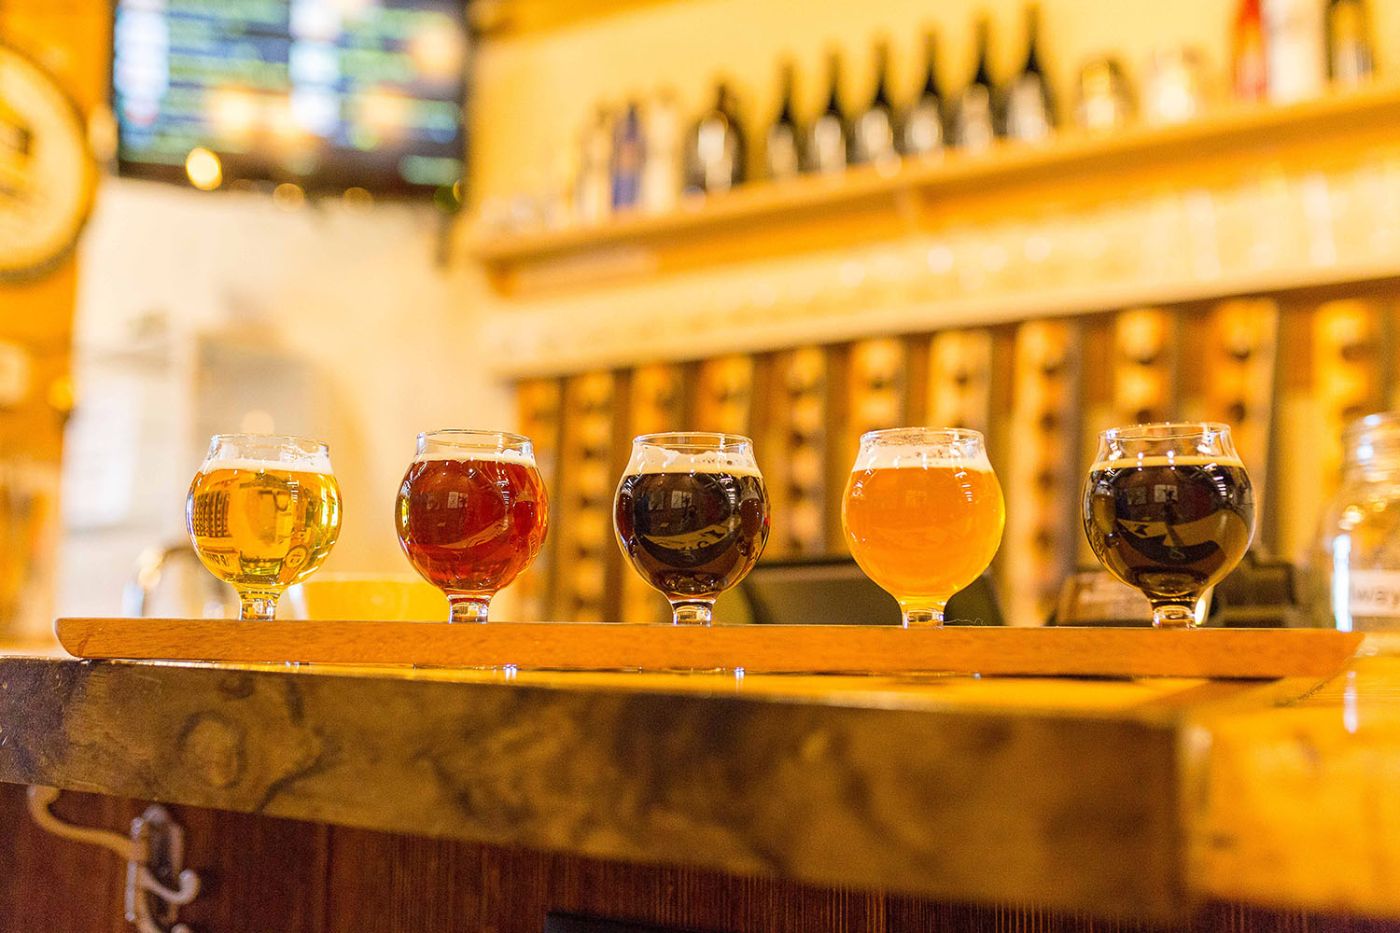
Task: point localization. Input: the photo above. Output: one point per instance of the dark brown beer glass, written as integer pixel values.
(471, 515)
(1169, 509)
(691, 514)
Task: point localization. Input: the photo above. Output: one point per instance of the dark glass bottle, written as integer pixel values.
(924, 126)
(872, 133)
(827, 137)
(1350, 60)
(974, 124)
(715, 151)
(781, 157)
(1030, 107)
(628, 157)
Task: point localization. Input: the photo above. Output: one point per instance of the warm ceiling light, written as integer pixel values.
(204, 169)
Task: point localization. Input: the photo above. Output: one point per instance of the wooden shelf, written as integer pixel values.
(1231, 140)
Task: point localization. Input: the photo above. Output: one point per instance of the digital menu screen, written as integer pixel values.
(327, 94)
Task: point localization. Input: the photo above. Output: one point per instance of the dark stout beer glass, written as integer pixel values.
(1169, 509)
(471, 515)
(691, 514)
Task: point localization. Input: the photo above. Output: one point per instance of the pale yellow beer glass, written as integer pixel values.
(923, 515)
(263, 512)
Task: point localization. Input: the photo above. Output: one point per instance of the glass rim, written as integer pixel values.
(272, 440)
(1164, 431)
(694, 440)
(939, 434)
(1370, 422)
(475, 438)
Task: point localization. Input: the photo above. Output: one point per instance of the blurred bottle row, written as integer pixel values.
(641, 157)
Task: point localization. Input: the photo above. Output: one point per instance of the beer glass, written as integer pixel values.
(923, 515)
(263, 512)
(691, 515)
(471, 515)
(1169, 509)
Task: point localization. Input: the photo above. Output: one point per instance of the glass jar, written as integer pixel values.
(1358, 558)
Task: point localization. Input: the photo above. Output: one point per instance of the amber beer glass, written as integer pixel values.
(691, 515)
(471, 515)
(923, 515)
(1169, 509)
(263, 513)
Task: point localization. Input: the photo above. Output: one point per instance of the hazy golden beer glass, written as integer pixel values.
(923, 515)
(263, 513)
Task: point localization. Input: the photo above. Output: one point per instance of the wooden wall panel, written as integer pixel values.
(724, 395)
(539, 403)
(792, 450)
(656, 401)
(1144, 366)
(593, 453)
(1044, 478)
(1239, 357)
(263, 874)
(958, 384)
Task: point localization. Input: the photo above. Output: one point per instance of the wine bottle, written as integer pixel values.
(594, 194)
(781, 147)
(825, 151)
(974, 125)
(1030, 108)
(628, 156)
(872, 134)
(1295, 45)
(661, 172)
(1251, 73)
(1350, 60)
(923, 131)
(715, 153)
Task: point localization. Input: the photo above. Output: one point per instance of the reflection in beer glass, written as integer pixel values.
(471, 515)
(691, 514)
(923, 515)
(263, 512)
(1169, 509)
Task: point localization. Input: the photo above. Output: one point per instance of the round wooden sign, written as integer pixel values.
(47, 173)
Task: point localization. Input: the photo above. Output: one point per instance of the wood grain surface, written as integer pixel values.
(266, 875)
(1223, 653)
(1060, 793)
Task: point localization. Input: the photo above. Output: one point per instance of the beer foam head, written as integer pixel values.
(651, 458)
(919, 457)
(311, 463)
(259, 452)
(465, 454)
(1163, 460)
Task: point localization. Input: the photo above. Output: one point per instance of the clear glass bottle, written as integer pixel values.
(1358, 549)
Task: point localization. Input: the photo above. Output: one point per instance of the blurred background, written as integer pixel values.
(588, 219)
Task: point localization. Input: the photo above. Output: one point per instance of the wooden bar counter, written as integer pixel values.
(339, 798)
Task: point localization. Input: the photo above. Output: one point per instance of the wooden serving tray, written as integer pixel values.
(1122, 652)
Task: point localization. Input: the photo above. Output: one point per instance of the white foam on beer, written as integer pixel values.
(649, 459)
(309, 463)
(463, 455)
(915, 457)
(1161, 460)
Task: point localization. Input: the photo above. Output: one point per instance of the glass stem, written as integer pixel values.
(1174, 614)
(468, 607)
(922, 614)
(257, 607)
(693, 611)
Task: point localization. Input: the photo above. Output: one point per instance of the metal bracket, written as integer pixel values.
(157, 883)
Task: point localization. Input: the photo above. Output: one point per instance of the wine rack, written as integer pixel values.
(1287, 377)
(539, 402)
(655, 401)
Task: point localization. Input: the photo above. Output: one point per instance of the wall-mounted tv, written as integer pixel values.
(327, 94)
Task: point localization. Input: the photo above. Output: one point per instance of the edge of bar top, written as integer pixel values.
(1071, 809)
